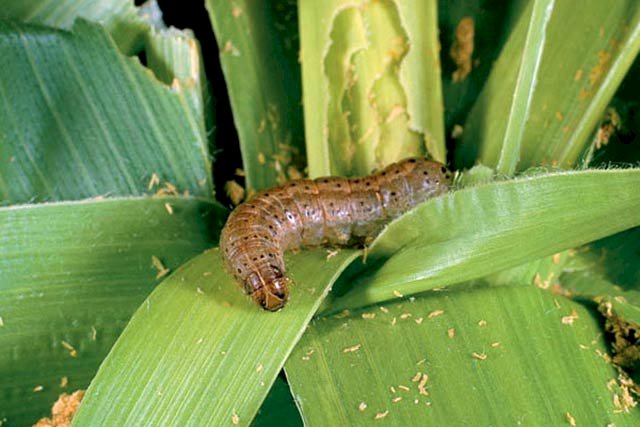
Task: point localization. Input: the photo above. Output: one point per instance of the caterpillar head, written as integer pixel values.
(270, 294)
(273, 295)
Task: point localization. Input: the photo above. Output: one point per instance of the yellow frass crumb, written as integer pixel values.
(568, 320)
(352, 348)
(381, 415)
(162, 270)
(435, 313)
(63, 410)
(479, 356)
(235, 192)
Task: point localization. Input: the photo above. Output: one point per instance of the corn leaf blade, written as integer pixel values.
(197, 326)
(515, 355)
(589, 49)
(370, 97)
(119, 17)
(68, 289)
(144, 128)
(485, 229)
(525, 86)
(257, 41)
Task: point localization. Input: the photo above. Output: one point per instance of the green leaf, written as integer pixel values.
(485, 229)
(71, 275)
(259, 57)
(589, 49)
(199, 350)
(119, 17)
(514, 358)
(368, 99)
(176, 59)
(81, 120)
(525, 86)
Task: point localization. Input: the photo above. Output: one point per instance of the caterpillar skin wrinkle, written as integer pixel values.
(332, 211)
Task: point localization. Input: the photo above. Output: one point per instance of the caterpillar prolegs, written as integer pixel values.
(331, 210)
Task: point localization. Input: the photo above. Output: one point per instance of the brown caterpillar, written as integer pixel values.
(331, 210)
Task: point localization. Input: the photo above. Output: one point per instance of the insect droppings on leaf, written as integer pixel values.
(162, 270)
(381, 415)
(422, 385)
(479, 356)
(72, 351)
(155, 180)
(461, 51)
(435, 313)
(568, 320)
(63, 410)
(352, 348)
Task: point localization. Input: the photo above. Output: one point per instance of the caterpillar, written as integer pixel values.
(330, 210)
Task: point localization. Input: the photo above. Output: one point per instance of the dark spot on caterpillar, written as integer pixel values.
(251, 231)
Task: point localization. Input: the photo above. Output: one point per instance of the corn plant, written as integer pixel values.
(511, 299)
